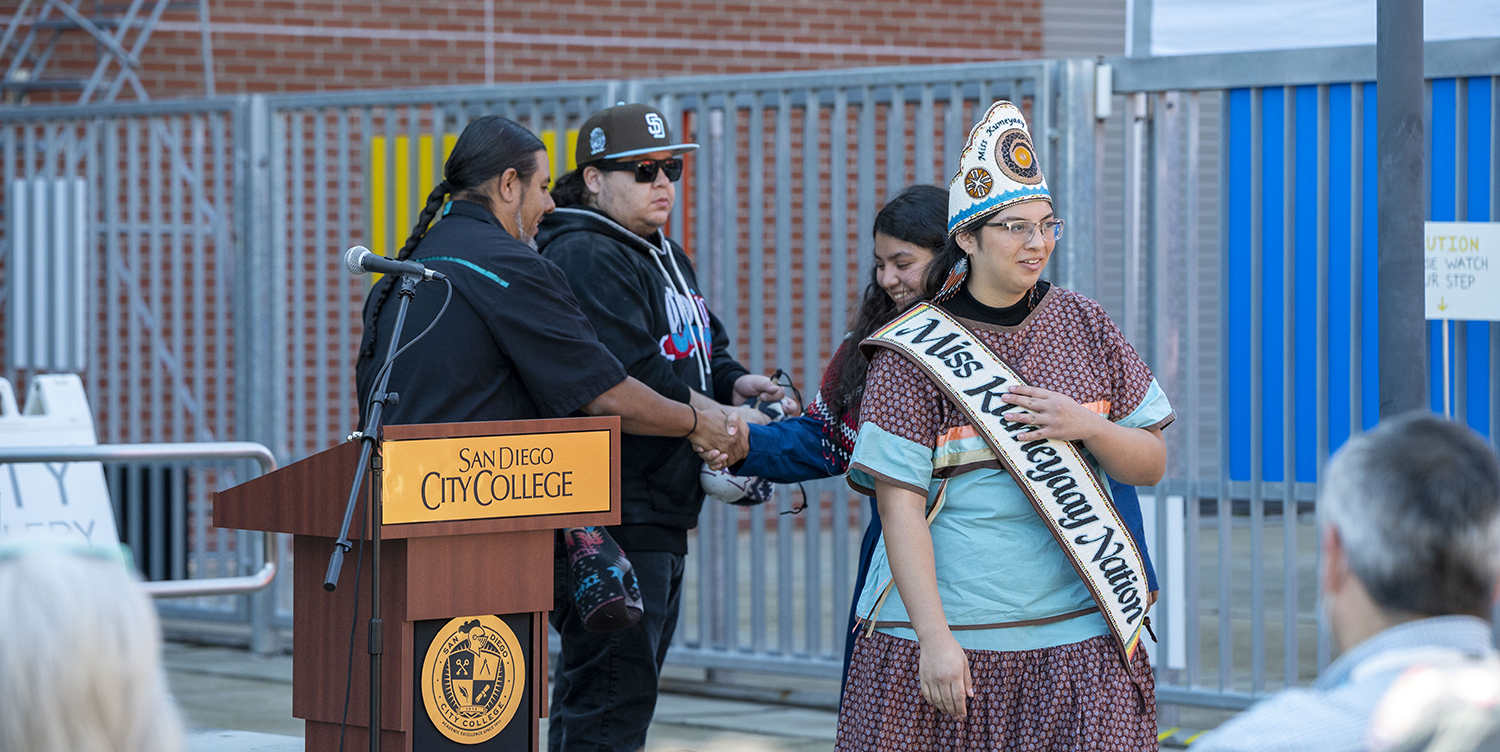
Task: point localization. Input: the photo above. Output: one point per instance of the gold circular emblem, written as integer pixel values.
(472, 678)
(1015, 158)
(1023, 156)
(977, 182)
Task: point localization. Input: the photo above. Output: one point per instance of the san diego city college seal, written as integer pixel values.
(472, 678)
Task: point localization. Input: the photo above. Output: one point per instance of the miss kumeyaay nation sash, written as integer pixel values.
(1054, 475)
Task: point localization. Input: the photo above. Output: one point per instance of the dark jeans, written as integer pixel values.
(605, 690)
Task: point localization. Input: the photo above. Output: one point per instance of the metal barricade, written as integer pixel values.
(258, 578)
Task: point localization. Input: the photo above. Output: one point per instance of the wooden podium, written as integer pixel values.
(469, 514)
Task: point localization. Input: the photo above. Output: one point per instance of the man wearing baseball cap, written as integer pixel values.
(639, 291)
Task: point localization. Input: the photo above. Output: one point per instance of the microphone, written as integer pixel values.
(359, 260)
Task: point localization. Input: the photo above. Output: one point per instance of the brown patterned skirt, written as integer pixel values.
(1069, 698)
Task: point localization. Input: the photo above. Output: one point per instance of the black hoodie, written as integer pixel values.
(646, 307)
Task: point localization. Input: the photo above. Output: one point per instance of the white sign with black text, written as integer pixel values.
(1462, 271)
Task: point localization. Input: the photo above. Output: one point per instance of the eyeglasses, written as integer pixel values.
(645, 169)
(1022, 230)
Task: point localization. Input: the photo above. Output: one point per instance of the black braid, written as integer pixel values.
(435, 202)
(424, 220)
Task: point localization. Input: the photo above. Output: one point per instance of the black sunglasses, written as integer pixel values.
(645, 169)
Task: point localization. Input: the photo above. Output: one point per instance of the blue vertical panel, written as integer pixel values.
(1339, 267)
(1370, 286)
(1443, 172)
(1481, 103)
(1305, 290)
(1237, 305)
(1273, 225)
(1478, 210)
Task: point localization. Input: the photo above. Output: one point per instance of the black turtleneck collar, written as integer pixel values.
(963, 304)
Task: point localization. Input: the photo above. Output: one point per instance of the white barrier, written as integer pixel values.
(56, 501)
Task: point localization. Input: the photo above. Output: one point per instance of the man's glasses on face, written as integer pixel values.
(645, 169)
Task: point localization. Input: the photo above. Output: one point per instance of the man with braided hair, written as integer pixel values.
(513, 344)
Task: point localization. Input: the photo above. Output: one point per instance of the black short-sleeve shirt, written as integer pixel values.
(513, 344)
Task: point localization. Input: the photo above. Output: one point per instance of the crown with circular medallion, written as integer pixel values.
(472, 678)
(998, 168)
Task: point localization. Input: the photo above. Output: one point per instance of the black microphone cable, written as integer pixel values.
(378, 374)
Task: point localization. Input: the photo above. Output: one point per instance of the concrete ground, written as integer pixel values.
(238, 702)
(235, 701)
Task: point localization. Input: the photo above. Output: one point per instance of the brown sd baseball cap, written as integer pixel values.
(625, 130)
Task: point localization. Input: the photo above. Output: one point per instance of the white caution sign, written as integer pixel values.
(1463, 271)
(67, 501)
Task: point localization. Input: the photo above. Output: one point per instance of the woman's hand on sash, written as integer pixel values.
(1136, 456)
(1055, 415)
(942, 664)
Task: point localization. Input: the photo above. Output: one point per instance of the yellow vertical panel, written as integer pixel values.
(403, 210)
(382, 174)
(378, 209)
(572, 149)
(549, 141)
(425, 178)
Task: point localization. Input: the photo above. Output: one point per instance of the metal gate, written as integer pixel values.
(157, 341)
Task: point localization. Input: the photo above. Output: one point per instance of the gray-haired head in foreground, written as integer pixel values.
(1415, 502)
(80, 657)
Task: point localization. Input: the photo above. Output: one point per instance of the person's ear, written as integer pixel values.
(593, 179)
(511, 186)
(967, 242)
(1335, 561)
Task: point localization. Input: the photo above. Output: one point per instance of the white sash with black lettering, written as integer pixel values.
(1054, 475)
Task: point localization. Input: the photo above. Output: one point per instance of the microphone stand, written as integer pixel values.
(370, 458)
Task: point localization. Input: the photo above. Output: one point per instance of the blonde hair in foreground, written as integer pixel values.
(80, 658)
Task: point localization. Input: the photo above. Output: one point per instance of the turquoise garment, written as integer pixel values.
(996, 560)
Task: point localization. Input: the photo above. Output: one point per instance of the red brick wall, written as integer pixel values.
(302, 45)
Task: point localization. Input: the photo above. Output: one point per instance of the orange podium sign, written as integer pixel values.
(484, 477)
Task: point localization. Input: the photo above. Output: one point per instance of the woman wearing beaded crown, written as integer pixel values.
(992, 414)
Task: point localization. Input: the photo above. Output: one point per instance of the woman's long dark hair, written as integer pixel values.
(943, 261)
(485, 150)
(917, 215)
